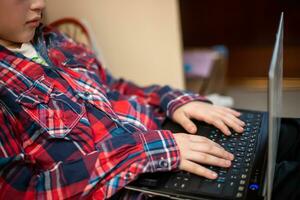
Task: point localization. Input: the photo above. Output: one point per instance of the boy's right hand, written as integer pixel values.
(196, 150)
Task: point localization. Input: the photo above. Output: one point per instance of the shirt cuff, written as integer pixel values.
(162, 152)
(175, 99)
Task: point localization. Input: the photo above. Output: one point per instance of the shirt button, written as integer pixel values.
(128, 176)
(163, 164)
(86, 94)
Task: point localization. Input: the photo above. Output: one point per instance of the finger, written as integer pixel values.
(197, 169)
(214, 119)
(201, 139)
(208, 159)
(221, 125)
(213, 150)
(186, 123)
(230, 121)
(230, 115)
(233, 112)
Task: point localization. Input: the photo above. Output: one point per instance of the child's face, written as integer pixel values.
(18, 20)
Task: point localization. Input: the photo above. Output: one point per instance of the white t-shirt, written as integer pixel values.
(29, 51)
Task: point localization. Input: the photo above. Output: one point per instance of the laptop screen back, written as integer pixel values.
(274, 104)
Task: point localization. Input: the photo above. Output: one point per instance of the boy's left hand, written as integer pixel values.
(220, 117)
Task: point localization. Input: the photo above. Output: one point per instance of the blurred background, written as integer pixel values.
(247, 29)
(218, 48)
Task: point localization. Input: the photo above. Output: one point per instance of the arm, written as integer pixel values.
(82, 59)
(117, 161)
(164, 98)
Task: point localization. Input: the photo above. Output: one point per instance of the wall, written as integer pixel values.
(139, 39)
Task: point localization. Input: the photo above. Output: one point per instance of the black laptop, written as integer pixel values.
(251, 173)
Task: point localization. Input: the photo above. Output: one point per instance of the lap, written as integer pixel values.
(287, 174)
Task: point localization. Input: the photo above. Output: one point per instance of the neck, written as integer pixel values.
(9, 44)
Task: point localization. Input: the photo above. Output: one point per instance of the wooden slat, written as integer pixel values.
(261, 83)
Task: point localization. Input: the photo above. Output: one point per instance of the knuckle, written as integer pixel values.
(184, 136)
(204, 158)
(224, 153)
(203, 139)
(204, 147)
(200, 170)
(190, 137)
(225, 163)
(209, 120)
(209, 148)
(205, 172)
(194, 168)
(218, 122)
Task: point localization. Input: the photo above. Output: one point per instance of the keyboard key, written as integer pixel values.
(223, 171)
(248, 129)
(229, 189)
(235, 166)
(234, 177)
(253, 136)
(246, 133)
(242, 182)
(241, 149)
(221, 180)
(183, 186)
(243, 176)
(186, 179)
(239, 195)
(242, 143)
(241, 188)
(237, 159)
(231, 150)
(176, 184)
(240, 154)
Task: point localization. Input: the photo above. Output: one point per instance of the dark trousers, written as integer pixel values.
(287, 173)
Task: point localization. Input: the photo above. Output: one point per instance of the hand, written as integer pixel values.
(196, 149)
(220, 117)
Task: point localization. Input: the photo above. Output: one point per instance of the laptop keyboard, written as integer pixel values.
(231, 182)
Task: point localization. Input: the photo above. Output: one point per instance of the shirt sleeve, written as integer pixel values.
(116, 162)
(163, 97)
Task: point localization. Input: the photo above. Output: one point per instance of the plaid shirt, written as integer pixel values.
(70, 130)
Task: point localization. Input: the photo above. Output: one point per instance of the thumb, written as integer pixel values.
(186, 123)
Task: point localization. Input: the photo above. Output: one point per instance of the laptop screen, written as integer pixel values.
(274, 103)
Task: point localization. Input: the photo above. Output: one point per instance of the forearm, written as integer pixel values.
(116, 162)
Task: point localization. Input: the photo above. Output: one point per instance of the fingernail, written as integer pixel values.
(214, 174)
(193, 129)
(228, 163)
(228, 132)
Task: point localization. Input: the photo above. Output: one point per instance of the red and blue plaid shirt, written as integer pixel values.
(70, 130)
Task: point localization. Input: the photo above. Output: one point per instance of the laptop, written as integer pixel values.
(252, 171)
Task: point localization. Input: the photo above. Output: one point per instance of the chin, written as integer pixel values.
(27, 37)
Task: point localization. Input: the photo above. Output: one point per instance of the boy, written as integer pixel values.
(68, 129)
